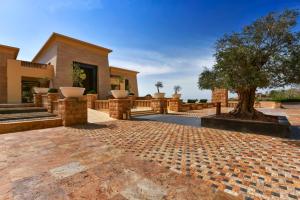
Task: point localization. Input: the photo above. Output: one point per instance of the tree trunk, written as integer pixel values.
(245, 106)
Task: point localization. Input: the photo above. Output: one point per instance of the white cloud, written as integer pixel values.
(180, 70)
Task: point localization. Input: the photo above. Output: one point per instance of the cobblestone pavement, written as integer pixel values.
(147, 160)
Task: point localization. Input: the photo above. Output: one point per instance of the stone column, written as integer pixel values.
(220, 95)
(91, 98)
(73, 111)
(119, 108)
(132, 99)
(174, 105)
(159, 106)
(37, 100)
(50, 98)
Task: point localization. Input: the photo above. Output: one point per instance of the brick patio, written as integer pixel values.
(148, 160)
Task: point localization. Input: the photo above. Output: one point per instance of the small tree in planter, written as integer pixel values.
(78, 75)
(120, 94)
(158, 85)
(177, 89)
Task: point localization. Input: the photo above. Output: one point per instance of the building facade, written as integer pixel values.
(53, 67)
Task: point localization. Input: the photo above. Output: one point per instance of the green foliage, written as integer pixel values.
(177, 89)
(53, 90)
(264, 54)
(158, 85)
(192, 100)
(291, 95)
(92, 92)
(78, 75)
(203, 100)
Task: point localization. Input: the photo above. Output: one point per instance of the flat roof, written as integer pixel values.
(15, 50)
(122, 69)
(55, 36)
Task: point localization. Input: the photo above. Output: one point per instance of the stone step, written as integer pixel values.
(17, 105)
(144, 112)
(29, 124)
(25, 116)
(22, 110)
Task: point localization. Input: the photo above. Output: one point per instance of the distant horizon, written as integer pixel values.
(169, 41)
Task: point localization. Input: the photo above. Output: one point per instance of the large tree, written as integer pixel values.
(264, 54)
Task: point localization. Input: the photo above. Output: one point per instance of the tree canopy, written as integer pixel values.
(264, 54)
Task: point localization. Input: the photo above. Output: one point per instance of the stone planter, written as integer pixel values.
(72, 91)
(159, 95)
(176, 96)
(119, 94)
(40, 90)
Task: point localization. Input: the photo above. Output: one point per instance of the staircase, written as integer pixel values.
(22, 117)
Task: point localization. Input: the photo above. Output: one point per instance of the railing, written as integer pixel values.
(102, 104)
(142, 103)
(33, 65)
(196, 106)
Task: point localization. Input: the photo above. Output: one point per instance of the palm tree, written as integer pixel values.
(158, 85)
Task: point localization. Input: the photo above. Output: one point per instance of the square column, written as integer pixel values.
(50, 98)
(174, 105)
(37, 100)
(119, 108)
(159, 106)
(73, 111)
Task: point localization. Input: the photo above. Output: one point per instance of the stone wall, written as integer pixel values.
(73, 111)
(51, 98)
(159, 106)
(220, 95)
(37, 100)
(119, 108)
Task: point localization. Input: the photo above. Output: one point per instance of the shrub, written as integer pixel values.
(192, 100)
(203, 100)
(53, 90)
(92, 92)
(131, 94)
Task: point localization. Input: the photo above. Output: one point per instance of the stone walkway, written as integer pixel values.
(148, 160)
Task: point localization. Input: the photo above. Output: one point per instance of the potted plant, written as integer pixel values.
(53, 90)
(120, 94)
(158, 94)
(177, 89)
(44, 86)
(78, 76)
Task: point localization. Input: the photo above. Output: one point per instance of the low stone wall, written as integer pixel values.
(259, 104)
(119, 108)
(195, 106)
(91, 98)
(73, 111)
(142, 103)
(102, 105)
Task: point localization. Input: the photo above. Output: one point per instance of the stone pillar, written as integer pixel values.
(220, 95)
(119, 108)
(37, 100)
(91, 98)
(159, 106)
(73, 111)
(132, 99)
(174, 105)
(50, 98)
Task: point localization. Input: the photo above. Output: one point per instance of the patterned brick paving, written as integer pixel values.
(123, 159)
(247, 165)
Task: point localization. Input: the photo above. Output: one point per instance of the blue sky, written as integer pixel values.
(166, 40)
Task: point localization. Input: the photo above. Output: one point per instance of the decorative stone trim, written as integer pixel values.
(119, 108)
(159, 105)
(73, 111)
(37, 99)
(91, 98)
